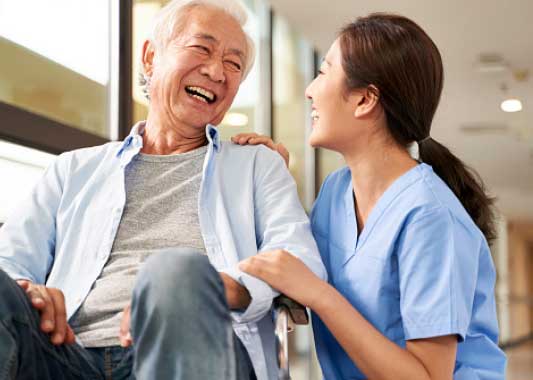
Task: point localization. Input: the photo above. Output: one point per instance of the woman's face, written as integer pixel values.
(332, 109)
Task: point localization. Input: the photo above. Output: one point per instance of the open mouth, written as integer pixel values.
(201, 94)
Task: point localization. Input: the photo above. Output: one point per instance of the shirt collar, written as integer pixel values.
(134, 140)
(213, 136)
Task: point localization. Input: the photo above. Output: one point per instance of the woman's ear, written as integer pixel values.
(366, 101)
(148, 53)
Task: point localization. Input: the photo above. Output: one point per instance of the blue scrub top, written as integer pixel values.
(420, 268)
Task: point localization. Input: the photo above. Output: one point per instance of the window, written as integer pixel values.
(55, 73)
(292, 72)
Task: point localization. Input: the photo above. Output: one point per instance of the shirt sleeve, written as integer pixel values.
(438, 265)
(280, 223)
(27, 239)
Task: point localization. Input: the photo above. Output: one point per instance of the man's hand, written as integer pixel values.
(237, 295)
(124, 334)
(51, 305)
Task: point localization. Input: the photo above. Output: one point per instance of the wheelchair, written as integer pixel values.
(287, 312)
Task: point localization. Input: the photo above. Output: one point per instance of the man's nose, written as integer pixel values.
(214, 69)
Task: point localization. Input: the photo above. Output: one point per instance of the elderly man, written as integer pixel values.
(160, 222)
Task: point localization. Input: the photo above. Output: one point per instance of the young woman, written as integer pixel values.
(405, 242)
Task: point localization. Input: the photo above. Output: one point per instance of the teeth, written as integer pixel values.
(199, 98)
(314, 115)
(204, 92)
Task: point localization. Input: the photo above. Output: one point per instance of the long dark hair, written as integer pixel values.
(396, 56)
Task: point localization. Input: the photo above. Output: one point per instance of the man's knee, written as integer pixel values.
(177, 276)
(174, 267)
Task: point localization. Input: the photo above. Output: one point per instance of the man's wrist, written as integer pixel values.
(237, 295)
(240, 297)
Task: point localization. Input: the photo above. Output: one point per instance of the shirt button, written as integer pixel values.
(78, 300)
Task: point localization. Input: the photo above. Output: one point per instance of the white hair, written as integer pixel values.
(170, 20)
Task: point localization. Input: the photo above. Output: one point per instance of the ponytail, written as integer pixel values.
(464, 182)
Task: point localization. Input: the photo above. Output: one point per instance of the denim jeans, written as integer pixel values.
(180, 324)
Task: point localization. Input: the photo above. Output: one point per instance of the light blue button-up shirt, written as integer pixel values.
(420, 268)
(63, 233)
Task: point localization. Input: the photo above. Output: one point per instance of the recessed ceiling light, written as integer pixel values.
(511, 105)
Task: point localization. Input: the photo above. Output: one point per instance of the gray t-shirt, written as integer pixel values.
(161, 212)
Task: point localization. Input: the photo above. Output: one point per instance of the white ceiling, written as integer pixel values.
(462, 30)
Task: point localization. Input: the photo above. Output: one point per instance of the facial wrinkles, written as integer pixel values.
(169, 92)
(168, 88)
(222, 54)
(221, 51)
(228, 89)
(222, 33)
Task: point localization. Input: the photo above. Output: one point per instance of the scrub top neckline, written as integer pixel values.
(395, 189)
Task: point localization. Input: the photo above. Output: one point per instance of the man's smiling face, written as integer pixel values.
(195, 77)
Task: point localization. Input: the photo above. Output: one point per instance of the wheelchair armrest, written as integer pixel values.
(296, 311)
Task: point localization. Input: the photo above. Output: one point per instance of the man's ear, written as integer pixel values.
(366, 101)
(148, 54)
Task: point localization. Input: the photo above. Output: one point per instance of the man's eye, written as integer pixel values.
(232, 65)
(201, 48)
